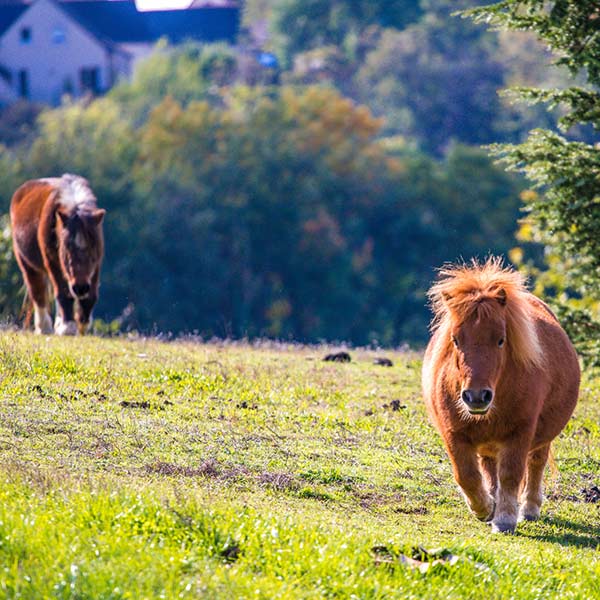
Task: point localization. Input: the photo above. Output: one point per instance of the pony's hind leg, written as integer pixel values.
(531, 499)
(37, 287)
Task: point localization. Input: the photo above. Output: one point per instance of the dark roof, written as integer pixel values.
(120, 21)
(117, 21)
(9, 13)
(209, 24)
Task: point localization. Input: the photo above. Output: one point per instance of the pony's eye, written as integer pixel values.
(501, 342)
(455, 341)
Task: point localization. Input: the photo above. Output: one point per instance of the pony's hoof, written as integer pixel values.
(529, 515)
(42, 323)
(65, 328)
(504, 526)
(529, 512)
(43, 330)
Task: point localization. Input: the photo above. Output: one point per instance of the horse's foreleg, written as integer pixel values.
(489, 468)
(531, 500)
(64, 324)
(511, 469)
(83, 313)
(468, 476)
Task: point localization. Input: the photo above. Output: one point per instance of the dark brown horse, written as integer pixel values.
(500, 380)
(57, 236)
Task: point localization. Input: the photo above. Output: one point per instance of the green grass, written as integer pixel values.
(140, 469)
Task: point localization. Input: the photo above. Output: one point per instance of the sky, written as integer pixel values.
(162, 4)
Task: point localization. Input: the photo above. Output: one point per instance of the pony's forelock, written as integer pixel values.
(462, 289)
(75, 192)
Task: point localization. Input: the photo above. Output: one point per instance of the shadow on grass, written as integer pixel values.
(567, 533)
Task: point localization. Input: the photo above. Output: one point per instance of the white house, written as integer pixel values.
(49, 48)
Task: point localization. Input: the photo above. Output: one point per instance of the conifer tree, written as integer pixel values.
(564, 213)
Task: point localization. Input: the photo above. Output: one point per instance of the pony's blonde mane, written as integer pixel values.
(75, 192)
(463, 289)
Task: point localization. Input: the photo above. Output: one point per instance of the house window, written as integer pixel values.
(25, 36)
(23, 83)
(89, 78)
(59, 36)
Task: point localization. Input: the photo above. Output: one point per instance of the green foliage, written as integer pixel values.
(569, 27)
(294, 216)
(431, 84)
(139, 469)
(566, 216)
(334, 22)
(12, 292)
(17, 122)
(432, 77)
(263, 211)
(12, 167)
(11, 286)
(289, 169)
(186, 72)
(93, 140)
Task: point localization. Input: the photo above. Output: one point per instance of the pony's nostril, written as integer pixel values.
(467, 397)
(487, 395)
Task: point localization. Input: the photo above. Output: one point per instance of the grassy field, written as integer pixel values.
(140, 469)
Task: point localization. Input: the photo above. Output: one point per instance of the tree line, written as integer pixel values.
(313, 203)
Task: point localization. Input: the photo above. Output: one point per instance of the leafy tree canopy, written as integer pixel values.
(302, 25)
(430, 83)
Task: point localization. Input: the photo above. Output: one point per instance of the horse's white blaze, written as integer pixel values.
(42, 320)
(80, 241)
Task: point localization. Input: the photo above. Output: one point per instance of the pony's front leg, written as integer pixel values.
(83, 313)
(467, 474)
(511, 468)
(64, 323)
(532, 496)
(489, 468)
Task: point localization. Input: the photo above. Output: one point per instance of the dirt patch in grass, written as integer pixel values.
(209, 468)
(591, 494)
(278, 481)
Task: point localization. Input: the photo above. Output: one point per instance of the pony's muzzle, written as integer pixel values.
(81, 290)
(477, 401)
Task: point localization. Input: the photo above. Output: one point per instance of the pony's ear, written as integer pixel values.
(97, 216)
(501, 296)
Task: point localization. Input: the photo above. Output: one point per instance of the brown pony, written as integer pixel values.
(500, 380)
(57, 234)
